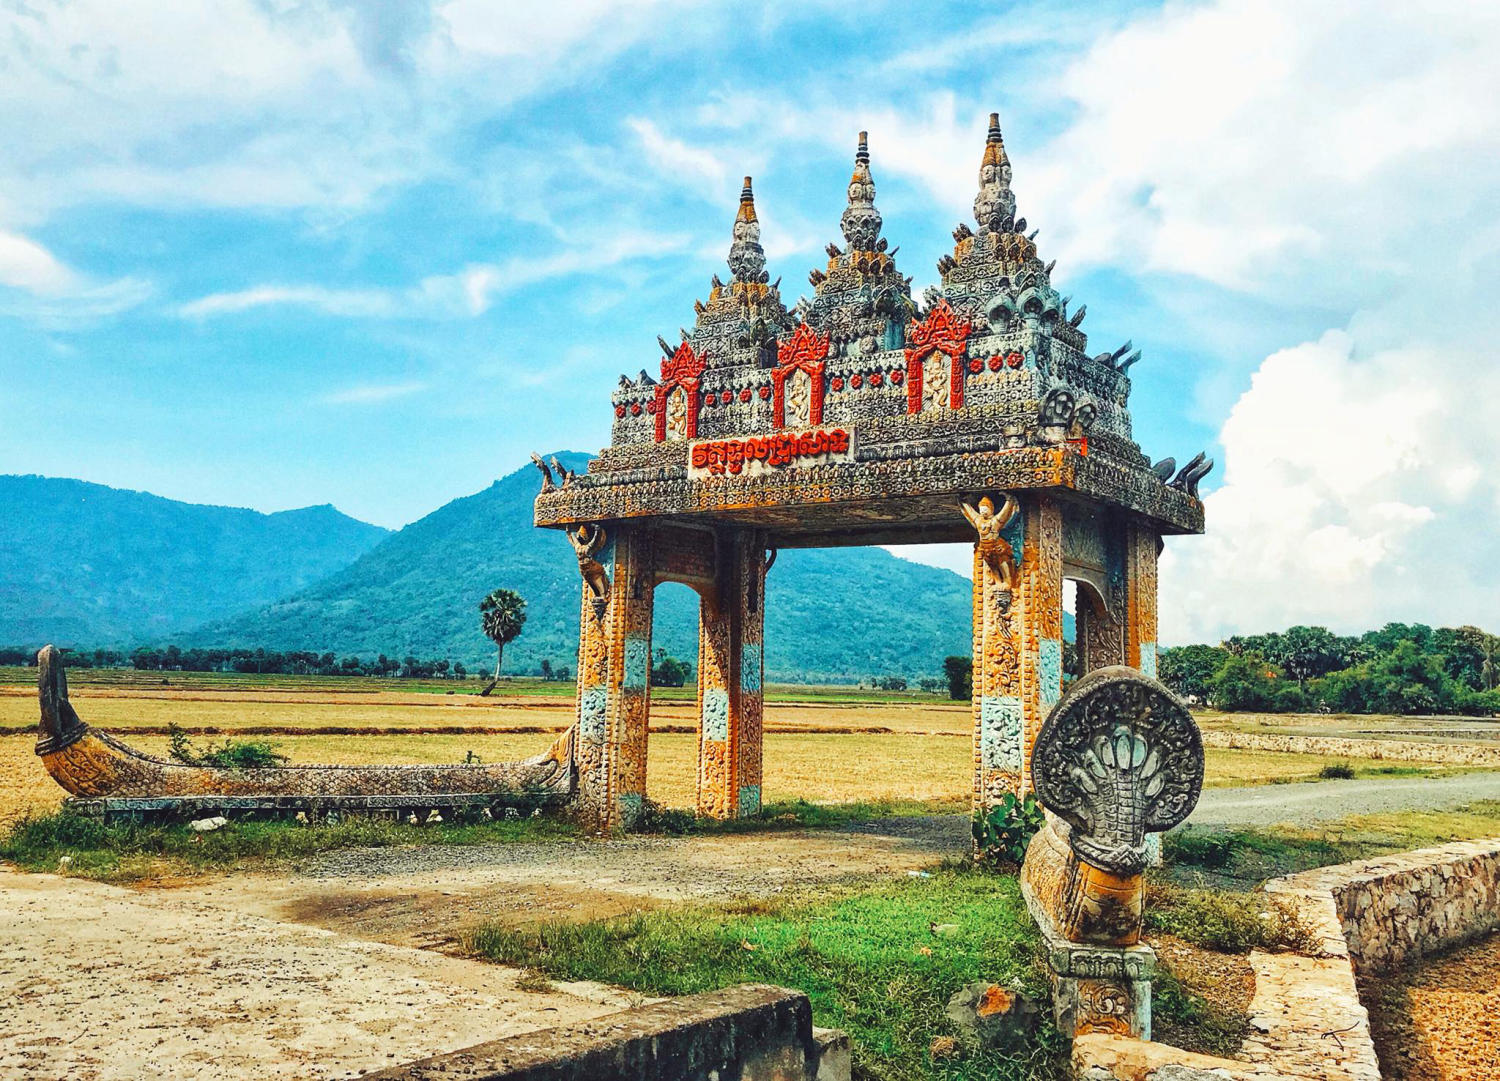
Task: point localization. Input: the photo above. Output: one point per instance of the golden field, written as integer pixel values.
(820, 751)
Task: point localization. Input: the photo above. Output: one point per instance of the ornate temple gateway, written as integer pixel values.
(865, 416)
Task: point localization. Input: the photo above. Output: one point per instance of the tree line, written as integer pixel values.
(1400, 668)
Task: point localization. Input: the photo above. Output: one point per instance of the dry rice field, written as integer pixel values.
(822, 751)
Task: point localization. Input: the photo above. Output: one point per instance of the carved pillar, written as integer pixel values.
(1040, 612)
(731, 667)
(1142, 546)
(1017, 648)
(614, 666)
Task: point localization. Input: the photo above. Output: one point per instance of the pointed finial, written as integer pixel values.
(747, 259)
(995, 205)
(861, 221)
(747, 203)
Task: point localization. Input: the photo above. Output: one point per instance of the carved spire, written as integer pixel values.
(995, 205)
(747, 259)
(861, 221)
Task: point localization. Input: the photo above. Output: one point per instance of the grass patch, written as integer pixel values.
(1188, 1020)
(796, 814)
(1225, 921)
(1253, 855)
(126, 852)
(870, 958)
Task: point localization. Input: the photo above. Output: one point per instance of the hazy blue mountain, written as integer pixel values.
(830, 614)
(88, 565)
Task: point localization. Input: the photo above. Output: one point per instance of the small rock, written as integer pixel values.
(991, 1015)
(208, 825)
(64, 862)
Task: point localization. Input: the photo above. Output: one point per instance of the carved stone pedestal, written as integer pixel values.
(1096, 988)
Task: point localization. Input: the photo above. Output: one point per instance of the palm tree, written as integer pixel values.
(502, 615)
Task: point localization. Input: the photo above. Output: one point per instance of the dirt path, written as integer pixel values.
(427, 896)
(1319, 801)
(102, 983)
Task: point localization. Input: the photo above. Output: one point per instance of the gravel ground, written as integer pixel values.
(101, 983)
(1439, 1021)
(1268, 805)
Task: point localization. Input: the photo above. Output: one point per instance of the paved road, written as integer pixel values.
(1318, 801)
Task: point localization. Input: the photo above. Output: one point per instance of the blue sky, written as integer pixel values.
(278, 254)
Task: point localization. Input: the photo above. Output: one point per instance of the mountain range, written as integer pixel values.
(208, 576)
(86, 564)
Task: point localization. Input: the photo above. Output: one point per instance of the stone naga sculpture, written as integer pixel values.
(588, 541)
(1118, 758)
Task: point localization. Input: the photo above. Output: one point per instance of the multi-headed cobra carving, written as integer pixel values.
(1118, 758)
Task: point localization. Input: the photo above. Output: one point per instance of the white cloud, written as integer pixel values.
(1358, 489)
(25, 264)
(372, 393)
(359, 303)
(1247, 142)
(466, 293)
(35, 284)
(676, 158)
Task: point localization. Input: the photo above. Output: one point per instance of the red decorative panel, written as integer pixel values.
(943, 331)
(806, 350)
(681, 369)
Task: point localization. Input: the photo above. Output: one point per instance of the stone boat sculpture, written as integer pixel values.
(109, 777)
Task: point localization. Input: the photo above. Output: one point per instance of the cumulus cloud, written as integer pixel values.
(1331, 156)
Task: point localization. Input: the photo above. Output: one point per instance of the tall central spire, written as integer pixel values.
(861, 221)
(995, 205)
(747, 259)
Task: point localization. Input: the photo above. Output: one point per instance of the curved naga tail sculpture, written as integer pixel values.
(96, 765)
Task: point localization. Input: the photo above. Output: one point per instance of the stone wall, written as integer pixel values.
(746, 1033)
(1307, 1021)
(1447, 754)
(1397, 909)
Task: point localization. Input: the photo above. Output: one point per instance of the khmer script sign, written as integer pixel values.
(764, 453)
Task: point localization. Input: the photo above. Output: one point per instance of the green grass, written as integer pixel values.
(868, 957)
(1183, 1019)
(1227, 922)
(127, 852)
(1253, 855)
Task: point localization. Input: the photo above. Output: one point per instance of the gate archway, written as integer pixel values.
(864, 417)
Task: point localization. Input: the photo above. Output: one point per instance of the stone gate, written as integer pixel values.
(866, 416)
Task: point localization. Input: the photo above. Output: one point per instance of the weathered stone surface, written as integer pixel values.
(991, 1015)
(1306, 1018)
(747, 1033)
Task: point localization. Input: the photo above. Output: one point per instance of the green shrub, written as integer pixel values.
(673, 821)
(1337, 771)
(233, 754)
(1004, 832)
